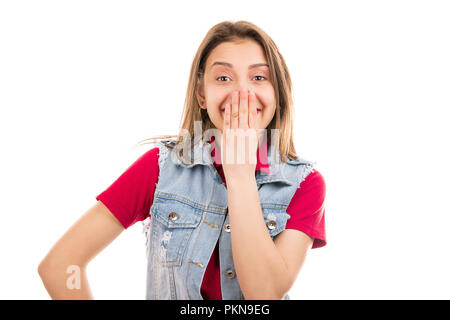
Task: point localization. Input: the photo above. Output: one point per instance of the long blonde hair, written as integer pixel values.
(229, 31)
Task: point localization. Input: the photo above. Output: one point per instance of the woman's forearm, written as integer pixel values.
(261, 271)
(64, 281)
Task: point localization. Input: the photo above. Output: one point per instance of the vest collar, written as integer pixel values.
(262, 163)
(201, 155)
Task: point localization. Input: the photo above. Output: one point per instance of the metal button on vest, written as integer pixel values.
(227, 227)
(173, 216)
(230, 274)
(271, 224)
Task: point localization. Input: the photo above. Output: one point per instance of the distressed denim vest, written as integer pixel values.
(189, 216)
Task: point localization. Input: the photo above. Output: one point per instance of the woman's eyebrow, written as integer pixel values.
(226, 64)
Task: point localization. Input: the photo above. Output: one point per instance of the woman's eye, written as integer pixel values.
(261, 77)
(221, 77)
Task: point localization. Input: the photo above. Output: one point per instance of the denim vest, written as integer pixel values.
(189, 215)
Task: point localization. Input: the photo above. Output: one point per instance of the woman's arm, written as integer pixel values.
(265, 269)
(63, 270)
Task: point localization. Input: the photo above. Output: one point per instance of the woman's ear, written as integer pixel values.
(200, 95)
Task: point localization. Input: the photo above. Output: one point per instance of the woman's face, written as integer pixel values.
(232, 66)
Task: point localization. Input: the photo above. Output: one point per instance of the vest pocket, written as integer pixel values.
(174, 223)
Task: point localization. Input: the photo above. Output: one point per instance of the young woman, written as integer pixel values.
(217, 227)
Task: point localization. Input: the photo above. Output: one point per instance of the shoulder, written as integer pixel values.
(312, 188)
(149, 157)
(145, 163)
(314, 179)
(313, 183)
(151, 154)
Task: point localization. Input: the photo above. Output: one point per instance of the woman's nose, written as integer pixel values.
(240, 90)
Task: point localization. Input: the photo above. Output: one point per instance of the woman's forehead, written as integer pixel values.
(233, 55)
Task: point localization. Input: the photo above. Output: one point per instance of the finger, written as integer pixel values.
(252, 110)
(225, 131)
(243, 109)
(226, 117)
(235, 110)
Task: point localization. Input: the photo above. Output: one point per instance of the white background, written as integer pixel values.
(82, 81)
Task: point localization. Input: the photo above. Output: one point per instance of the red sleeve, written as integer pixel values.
(307, 209)
(130, 197)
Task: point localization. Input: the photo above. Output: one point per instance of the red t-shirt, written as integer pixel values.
(130, 197)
